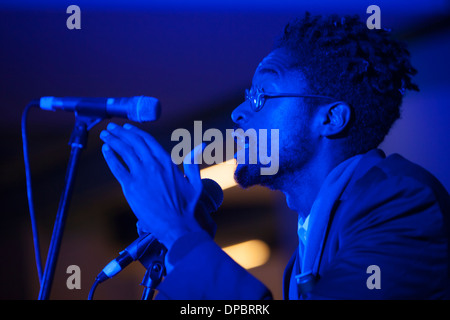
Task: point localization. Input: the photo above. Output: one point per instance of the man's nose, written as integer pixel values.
(241, 114)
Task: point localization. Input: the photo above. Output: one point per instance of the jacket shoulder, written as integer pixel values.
(395, 216)
(396, 165)
(398, 168)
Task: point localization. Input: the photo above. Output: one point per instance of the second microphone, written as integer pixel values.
(210, 200)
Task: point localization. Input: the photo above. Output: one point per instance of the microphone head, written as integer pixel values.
(212, 195)
(143, 109)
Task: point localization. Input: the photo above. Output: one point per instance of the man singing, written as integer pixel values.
(333, 88)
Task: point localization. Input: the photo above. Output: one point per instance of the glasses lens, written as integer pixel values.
(258, 101)
(250, 98)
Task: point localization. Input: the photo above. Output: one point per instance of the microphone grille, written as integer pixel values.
(212, 195)
(144, 109)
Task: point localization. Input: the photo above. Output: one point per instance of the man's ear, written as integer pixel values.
(335, 119)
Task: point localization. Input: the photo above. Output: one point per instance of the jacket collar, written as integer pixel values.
(369, 160)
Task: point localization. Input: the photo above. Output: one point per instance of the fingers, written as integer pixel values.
(133, 146)
(122, 148)
(114, 164)
(155, 148)
(135, 141)
(191, 167)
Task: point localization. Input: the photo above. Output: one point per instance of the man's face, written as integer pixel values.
(288, 115)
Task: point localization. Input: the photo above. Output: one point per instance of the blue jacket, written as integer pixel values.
(393, 214)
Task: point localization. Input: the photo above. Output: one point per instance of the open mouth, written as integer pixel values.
(254, 148)
(241, 146)
(241, 154)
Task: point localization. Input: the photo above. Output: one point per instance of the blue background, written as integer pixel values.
(197, 57)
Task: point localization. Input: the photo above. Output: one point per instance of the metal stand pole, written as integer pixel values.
(77, 142)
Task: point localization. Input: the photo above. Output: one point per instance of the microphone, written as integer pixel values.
(138, 109)
(210, 200)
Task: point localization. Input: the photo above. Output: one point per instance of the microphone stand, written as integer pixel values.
(152, 279)
(77, 142)
(153, 261)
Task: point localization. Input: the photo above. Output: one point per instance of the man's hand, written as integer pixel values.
(161, 197)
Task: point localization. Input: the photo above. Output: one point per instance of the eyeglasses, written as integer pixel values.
(257, 97)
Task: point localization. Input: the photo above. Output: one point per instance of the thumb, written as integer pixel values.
(192, 169)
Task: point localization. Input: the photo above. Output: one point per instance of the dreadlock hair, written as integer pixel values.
(341, 58)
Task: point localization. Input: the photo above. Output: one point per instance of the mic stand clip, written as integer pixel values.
(153, 261)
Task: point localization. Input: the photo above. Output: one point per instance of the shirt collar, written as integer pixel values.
(302, 228)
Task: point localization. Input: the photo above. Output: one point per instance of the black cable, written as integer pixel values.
(34, 228)
(94, 286)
